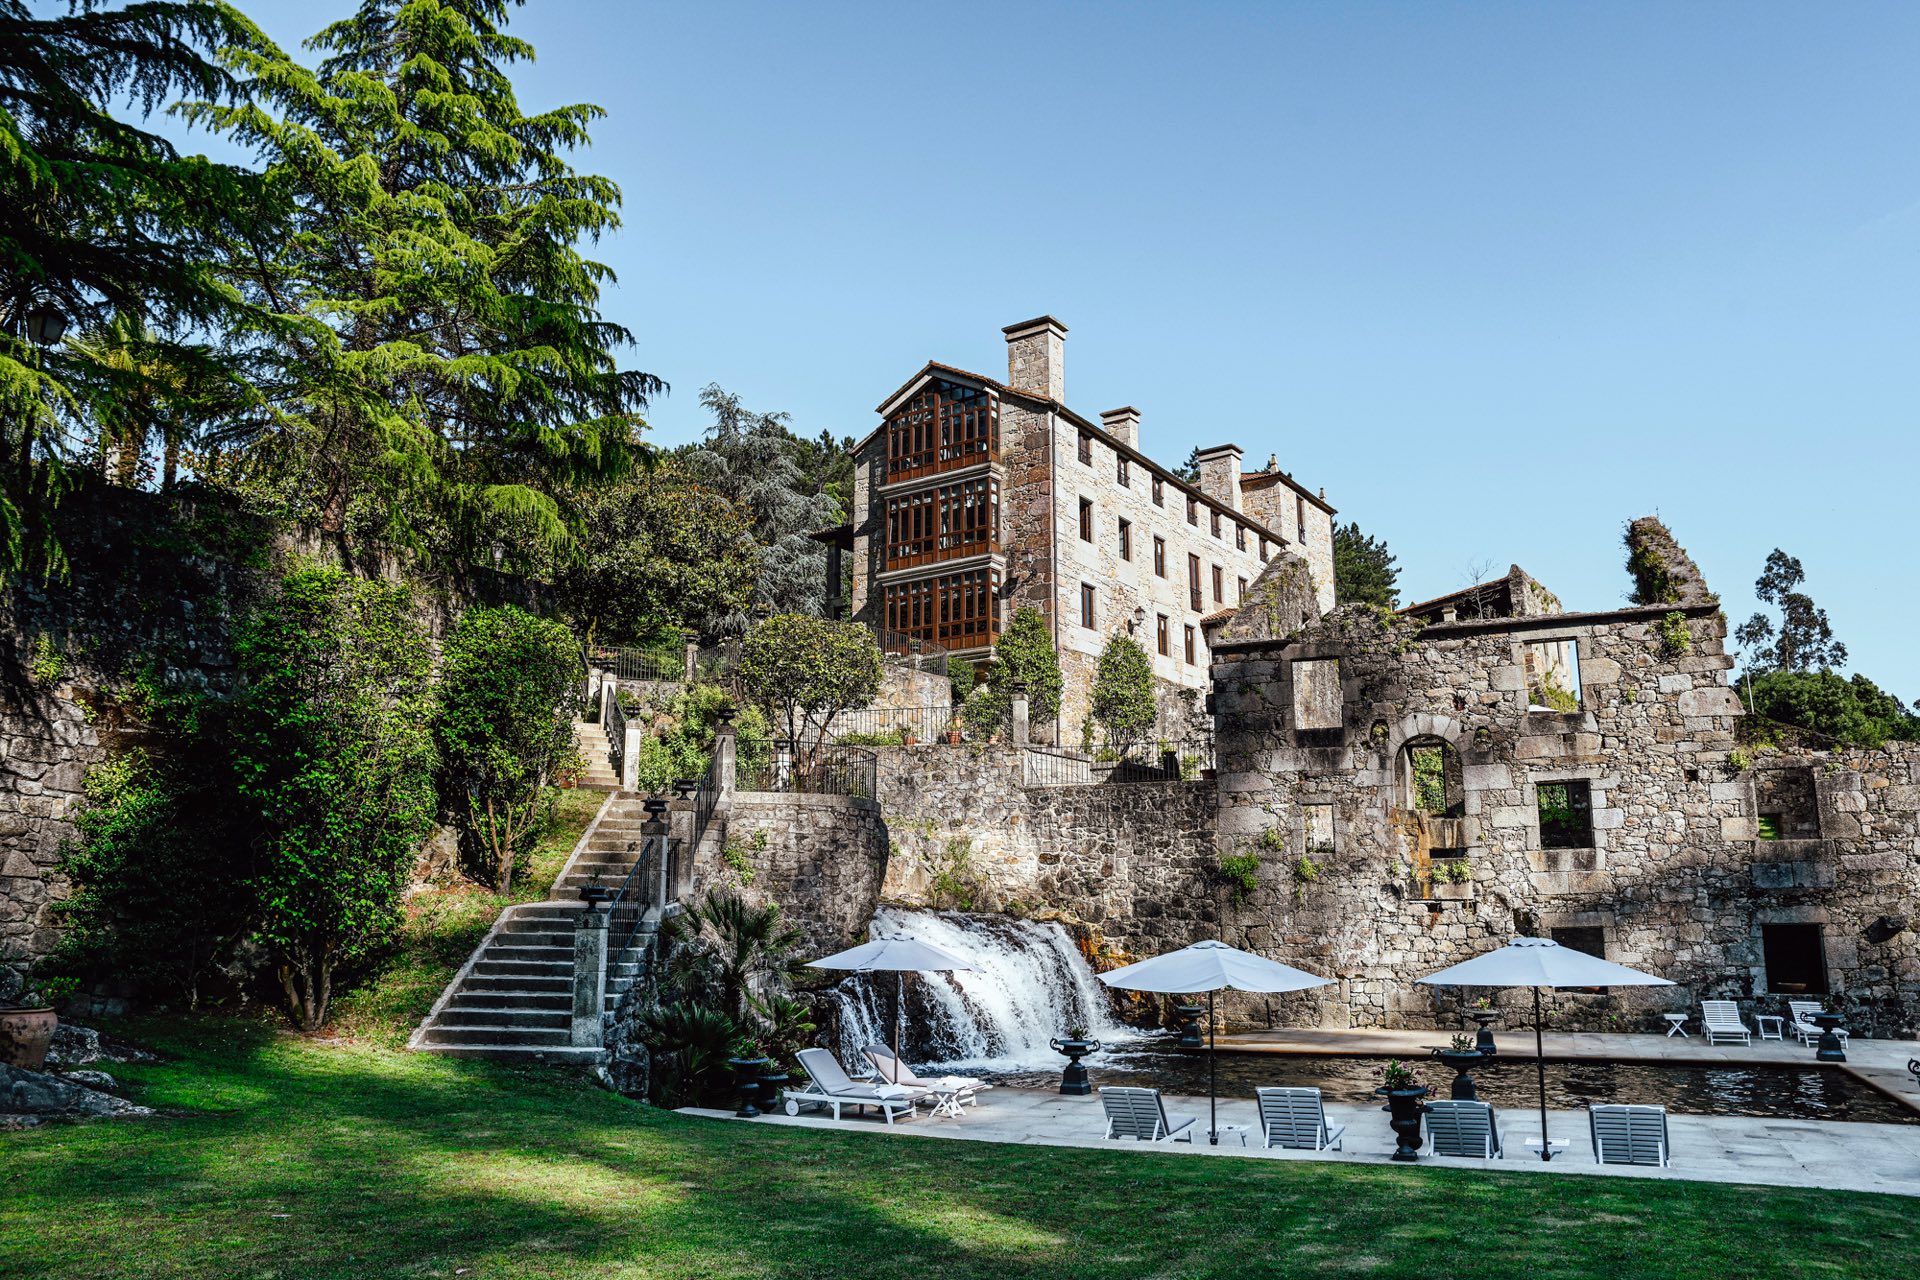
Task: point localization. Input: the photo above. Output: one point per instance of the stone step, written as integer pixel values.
(534, 1019)
(528, 1053)
(542, 934)
(490, 1033)
(488, 966)
(509, 998)
(519, 984)
(510, 952)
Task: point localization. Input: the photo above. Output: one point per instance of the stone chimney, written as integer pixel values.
(1220, 474)
(1036, 357)
(1123, 425)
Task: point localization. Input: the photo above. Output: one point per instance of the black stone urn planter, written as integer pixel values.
(746, 1077)
(1830, 1049)
(1460, 1061)
(1189, 1015)
(1483, 1038)
(1404, 1109)
(772, 1083)
(1074, 1079)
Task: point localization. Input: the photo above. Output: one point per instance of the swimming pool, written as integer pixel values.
(1780, 1092)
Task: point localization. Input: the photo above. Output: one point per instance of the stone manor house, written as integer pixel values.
(974, 497)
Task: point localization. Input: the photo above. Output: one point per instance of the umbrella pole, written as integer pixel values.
(1213, 1086)
(899, 1016)
(1540, 1065)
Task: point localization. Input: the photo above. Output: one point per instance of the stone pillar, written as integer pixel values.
(630, 756)
(692, 660)
(654, 832)
(1020, 715)
(589, 976)
(725, 759)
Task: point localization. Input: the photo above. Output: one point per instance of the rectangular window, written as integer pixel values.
(1086, 605)
(1566, 814)
(1588, 940)
(1126, 540)
(942, 523)
(1319, 828)
(1215, 522)
(1219, 591)
(1193, 582)
(1159, 492)
(1787, 803)
(954, 610)
(1190, 649)
(1553, 675)
(1193, 511)
(1240, 537)
(1120, 470)
(1241, 597)
(1300, 512)
(1264, 554)
(1316, 693)
(1795, 958)
(1161, 632)
(1086, 520)
(1160, 557)
(944, 426)
(1086, 448)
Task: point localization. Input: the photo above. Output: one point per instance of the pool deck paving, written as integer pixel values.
(1744, 1149)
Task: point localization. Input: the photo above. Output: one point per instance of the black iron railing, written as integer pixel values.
(639, 664)
(827, 770)
(615, 724)
(705, 796)
(897, 726)
(1044, 767)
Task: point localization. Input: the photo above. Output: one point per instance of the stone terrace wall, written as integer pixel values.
(154, 581)
(822, 858)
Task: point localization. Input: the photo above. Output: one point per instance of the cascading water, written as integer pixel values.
(1029, 984)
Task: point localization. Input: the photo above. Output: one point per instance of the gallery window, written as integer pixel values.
(944, 425)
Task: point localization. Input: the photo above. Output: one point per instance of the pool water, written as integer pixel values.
(1779, 1092)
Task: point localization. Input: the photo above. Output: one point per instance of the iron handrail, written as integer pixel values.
(616, 731)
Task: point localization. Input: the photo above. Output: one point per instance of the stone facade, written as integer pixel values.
(1063, 489)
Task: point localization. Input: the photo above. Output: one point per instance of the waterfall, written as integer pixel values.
(1030, 984)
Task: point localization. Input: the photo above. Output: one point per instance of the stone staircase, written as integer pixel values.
(592, 739)
(514, 997)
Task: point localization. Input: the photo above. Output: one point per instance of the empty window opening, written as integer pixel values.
(1795, 958)
(1319, 829)
(1316, 693)
(1431, 782)
(1126, 540)
(1086, 605)
(1086, 520)
(1588, 940)
(1553, 675)
(1788, 798)
(1566, 814)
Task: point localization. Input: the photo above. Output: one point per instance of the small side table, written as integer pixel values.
(1676, 1025)
(1230, 1130)
(1773, 1020)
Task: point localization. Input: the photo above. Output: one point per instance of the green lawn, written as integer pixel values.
(278, 1157)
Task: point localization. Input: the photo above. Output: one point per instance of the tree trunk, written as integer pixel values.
(308, 984)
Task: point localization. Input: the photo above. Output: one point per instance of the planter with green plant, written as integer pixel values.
(1402, 1089)
(27, 1023)
(1484, 1015)
(1460, 1056)
(747, 1062)
(1075, 1045)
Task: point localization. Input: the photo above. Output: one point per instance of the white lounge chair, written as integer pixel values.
(1464, 1128)
(1624, 1134)
(1139, 1113)
(1297, 1118)
(1721, 1018)
(829, 1086)
(965, 1090)
(1804, 1028)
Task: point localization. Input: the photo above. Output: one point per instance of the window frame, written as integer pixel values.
(1086, 519)
(1088, 606)
(1126, 539)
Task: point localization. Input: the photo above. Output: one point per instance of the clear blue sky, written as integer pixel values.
(1498, 276)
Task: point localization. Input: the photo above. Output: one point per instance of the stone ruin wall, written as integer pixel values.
(1676, 878)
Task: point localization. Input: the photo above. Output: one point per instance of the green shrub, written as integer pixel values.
(1676, 641)
(1123, 701)
(804, 671)
(1242, 871)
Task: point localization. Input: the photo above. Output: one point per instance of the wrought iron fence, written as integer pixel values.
(827, 770)
(639, 664)
(705, 796)
(614, 721)
(897, 726)
(1043, 767)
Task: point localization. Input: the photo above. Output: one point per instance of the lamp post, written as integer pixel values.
(41, 326)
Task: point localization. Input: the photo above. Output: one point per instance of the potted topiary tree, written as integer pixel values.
(26, 1024)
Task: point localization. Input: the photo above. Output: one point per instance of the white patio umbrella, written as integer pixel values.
(1211, 966)
(1537, 963)
(899, 956)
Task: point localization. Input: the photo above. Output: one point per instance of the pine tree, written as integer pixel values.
(1803, 640)
(1363, 569)
(445, 378)
(100, 220)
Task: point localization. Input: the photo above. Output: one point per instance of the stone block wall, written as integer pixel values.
(822, 858)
